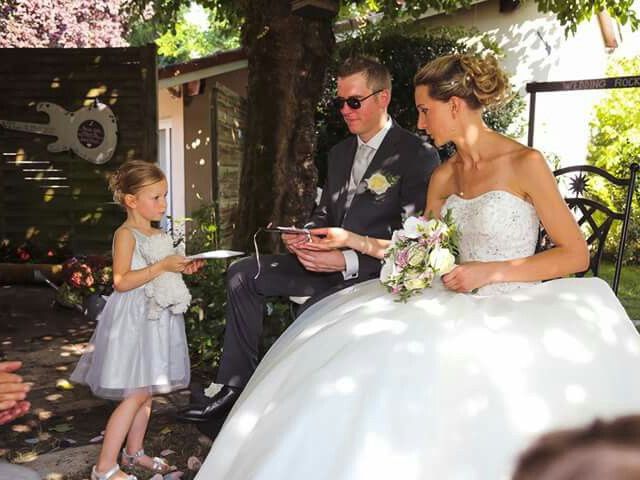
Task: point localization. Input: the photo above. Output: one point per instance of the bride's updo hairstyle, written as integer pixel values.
(479, 81)
(131, 177)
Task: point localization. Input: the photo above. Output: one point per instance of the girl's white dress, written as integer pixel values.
(447, 386)
(131, 353)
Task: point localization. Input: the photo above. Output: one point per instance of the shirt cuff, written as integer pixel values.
(352, 265)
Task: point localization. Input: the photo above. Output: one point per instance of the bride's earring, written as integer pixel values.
(454, 113)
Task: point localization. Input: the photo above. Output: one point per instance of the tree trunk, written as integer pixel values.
(288, 56)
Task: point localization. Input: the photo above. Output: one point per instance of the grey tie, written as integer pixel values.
(360, 163)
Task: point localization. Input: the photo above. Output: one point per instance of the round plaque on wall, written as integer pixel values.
(90, 134)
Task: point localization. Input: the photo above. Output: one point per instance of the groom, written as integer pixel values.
(375, 177)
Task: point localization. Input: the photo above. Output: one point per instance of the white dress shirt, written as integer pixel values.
(352, 266)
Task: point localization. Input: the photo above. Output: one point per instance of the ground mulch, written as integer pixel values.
(48, 339)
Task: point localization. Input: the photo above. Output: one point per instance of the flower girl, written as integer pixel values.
(134, 354)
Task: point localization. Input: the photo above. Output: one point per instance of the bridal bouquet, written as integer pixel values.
(422, 250)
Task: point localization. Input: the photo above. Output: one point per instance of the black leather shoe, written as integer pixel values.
(218, 407)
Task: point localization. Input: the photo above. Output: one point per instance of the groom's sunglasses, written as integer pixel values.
(354, 102)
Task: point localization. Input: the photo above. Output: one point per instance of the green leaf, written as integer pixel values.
(62, 428)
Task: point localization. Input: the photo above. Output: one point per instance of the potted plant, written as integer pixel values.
(87, 281)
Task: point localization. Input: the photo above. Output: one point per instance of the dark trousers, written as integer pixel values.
(280, 275)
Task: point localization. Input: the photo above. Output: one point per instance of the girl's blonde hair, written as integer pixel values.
(132, 176)
(479, 81)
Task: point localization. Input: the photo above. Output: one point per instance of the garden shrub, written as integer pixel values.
(614, 145)
(205, 318)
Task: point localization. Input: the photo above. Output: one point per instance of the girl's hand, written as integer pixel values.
(329, 238)
(193, 267)
(174, 263)
(469, 276)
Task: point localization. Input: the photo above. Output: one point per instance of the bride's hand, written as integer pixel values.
(468, 277)
(329, 238)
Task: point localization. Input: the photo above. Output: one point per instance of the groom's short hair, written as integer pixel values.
(377, 75)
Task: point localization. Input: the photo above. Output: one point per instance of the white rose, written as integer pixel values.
(441, 260)
(415, 283)
(378, 183)
(414, 226)
(431, 226)
(416, 256)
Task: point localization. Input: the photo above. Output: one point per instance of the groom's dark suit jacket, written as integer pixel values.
(403, 158)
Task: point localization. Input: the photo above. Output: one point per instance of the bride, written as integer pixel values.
(450, 385)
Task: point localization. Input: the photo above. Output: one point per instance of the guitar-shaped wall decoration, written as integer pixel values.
(89, 132)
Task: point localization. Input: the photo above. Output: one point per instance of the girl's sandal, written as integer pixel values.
(158, 465)
(109, 474)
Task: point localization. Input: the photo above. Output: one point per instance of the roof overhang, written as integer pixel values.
(200, 68)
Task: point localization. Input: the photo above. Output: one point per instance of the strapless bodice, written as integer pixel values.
(494, 226)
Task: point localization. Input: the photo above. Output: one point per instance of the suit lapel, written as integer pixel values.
(345, 176)
(385, 151)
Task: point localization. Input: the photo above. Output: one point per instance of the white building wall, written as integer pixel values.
(170, 112)
(536, 49)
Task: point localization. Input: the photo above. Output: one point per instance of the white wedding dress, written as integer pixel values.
(447, 386)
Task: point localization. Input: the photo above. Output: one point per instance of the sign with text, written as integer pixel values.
(590, 84)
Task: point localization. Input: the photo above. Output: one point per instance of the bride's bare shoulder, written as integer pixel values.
(444, 170)
(527, 161)
(507, 150)
(442, 178)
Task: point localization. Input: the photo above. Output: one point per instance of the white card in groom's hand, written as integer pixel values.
(215, 254)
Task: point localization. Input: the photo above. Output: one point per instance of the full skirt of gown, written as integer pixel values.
(446, 386)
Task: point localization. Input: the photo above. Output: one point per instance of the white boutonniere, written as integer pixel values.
(379, 183)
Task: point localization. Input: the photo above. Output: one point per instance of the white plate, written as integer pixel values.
(215, 254)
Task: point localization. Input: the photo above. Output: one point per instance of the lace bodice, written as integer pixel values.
(494, 226)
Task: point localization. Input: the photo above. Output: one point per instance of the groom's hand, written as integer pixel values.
(296, 242)
(331, 261)
(292, 241)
